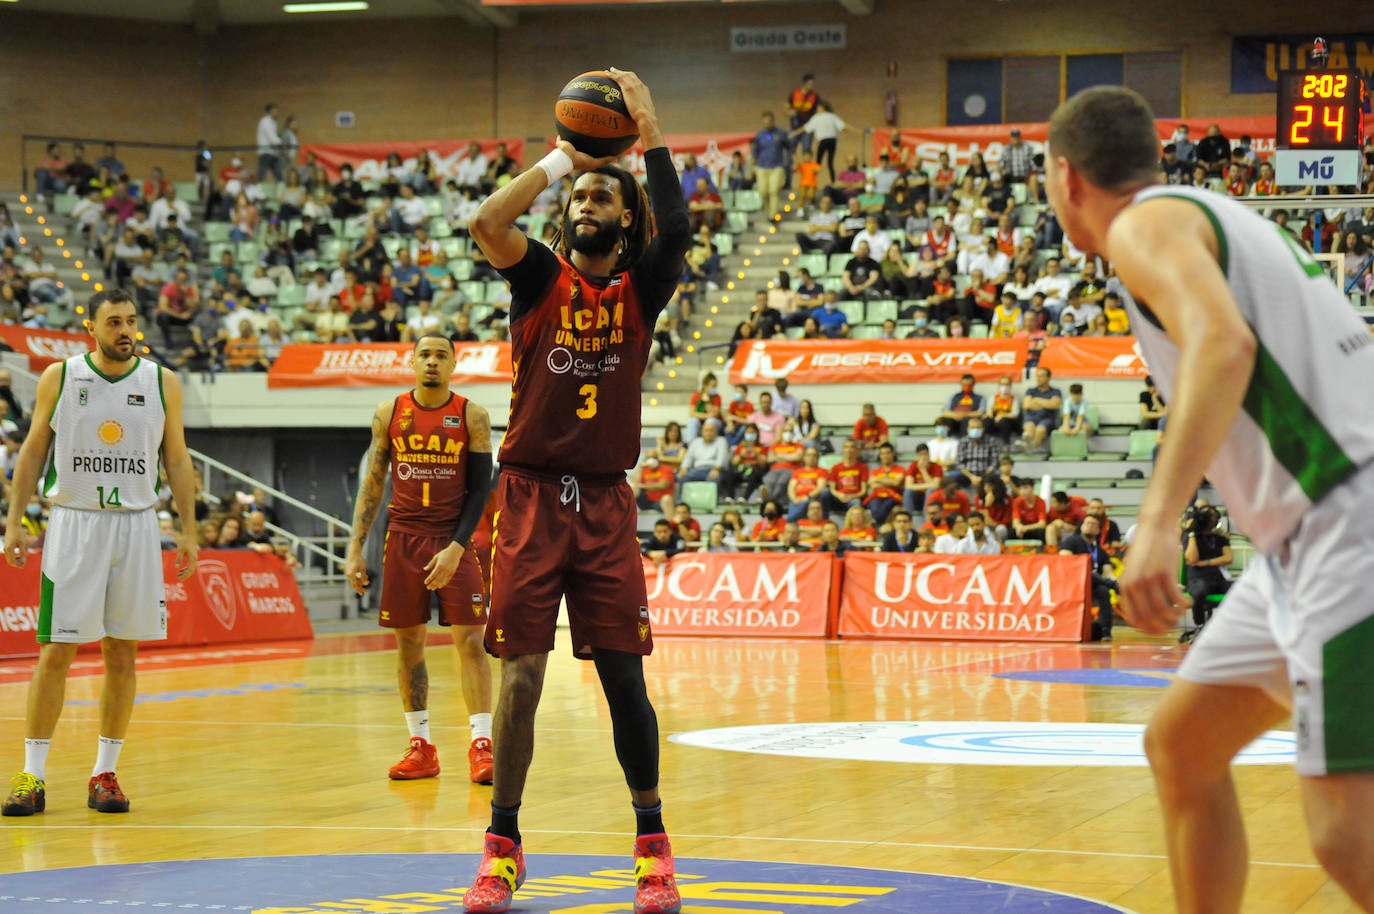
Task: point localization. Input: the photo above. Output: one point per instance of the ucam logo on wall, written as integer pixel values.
(741, 594)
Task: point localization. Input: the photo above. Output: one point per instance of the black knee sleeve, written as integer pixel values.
(632, 716)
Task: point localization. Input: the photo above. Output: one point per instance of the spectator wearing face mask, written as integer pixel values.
(655, 479)
(785, 457)
(744, 473)
(944, 447)
(769, 528)
(829, 318)
(1002, 419)
(976, 455)
(963, 404)
(768, 420)
(737, 413)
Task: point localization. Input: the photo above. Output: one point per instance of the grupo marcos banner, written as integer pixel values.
(875, 361)
(369, 159)
(926, 143)
(43, 347)
(738, 593)
(363, 364)
(973, 597)
(1094, 357)
(235, 596)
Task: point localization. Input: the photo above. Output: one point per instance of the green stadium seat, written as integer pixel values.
(216, 232)
(853, 312)
(749, 201)
(291, 296)
(700, 496)
(884, 309)
(1068, 447)
(439, 228)
(435, 204)
(835, 265)
(724, 242)
(187, 191)
(460, 267)
(829, 460)
(474, 290)
(391, 244)
(495, 289)
(736, 222)
(479, 313)
(455, 245)
(1142, 444)
(814, 263)
(795, 333)
(63, 204)
(978, 331)
(329, 250)
(865, 332)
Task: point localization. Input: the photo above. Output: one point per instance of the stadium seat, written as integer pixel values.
(884, 309)
(853, 312)
(829, 460)
(865, 332)
(1142, 444)
(1068, 447)
(536, 224)
(795, 333)
(836, 264)
(216, 232)
(736, 222)
(63, 204)
(813, 263)
(187, 192)
(978, 331)
(724, 242)
(700, 496)
(479, 313)
(473, 290)
(460, 267)
(495, 289)
(435, 204)
(455, 245)
(291, 296)
(749, 201)
(391, 244)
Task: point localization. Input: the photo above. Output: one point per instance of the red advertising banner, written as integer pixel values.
(875, 361)
(364, 364)
(369, 159)
(44, 347)
(965, 597)
(235, 596)
(926, 143)
(739, 593)
(712, 151)
(1094, 357)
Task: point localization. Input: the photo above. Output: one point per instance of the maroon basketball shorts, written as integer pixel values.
(406, 599)
(560, 536)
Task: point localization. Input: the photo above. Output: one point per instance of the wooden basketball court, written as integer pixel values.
(283, 751)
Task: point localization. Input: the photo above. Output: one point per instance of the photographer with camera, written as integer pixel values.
(1087, 541)
(1206, 550)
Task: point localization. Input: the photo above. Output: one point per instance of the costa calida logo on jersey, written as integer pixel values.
(110, 432)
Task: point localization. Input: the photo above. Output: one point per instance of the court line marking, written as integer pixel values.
(917, 845)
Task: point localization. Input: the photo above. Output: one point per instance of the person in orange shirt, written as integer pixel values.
(737, 415)
(1064, 514)
(857, 526)
(656, 479)
(808, 482)
(949, 497)
(1028, 515)
(848, 480)
(886, 482)
(810, 525)
(1001, 420)
(768, 529)
(870, 432)
(808, 178)
(786, 455)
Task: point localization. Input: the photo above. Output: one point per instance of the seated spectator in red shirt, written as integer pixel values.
(684, 524)
(176, 305)
(870, 432)
(786, 458)
(656, 479)
(1063, 516)
(886, 483)
(995, 505)
(810, 525)
(1029, 518)
(949, 497)
(963, 404)
(921, 478)
(744, 473)
(1001, 418)
(737, 415)
(848, 480)
(858, 527)
(768, 529)
(809, 482)
(705, 207)
(935, 519)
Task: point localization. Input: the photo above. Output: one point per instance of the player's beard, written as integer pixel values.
(598, 244)
(114, 353)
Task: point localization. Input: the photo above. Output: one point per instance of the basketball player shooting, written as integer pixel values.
(581, 320)
(1263, 363)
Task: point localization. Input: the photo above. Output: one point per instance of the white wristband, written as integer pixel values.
(555, 165)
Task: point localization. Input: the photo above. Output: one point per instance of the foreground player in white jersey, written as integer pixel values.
(1267, 371)
(102, 422)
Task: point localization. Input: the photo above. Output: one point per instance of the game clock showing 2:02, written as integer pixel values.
(1320, 109)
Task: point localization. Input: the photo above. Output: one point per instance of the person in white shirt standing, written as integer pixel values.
(269, 144)
(825, 126)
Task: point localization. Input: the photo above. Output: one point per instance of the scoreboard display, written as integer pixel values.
(1321, 109)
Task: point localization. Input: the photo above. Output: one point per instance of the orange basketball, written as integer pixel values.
(591, 114)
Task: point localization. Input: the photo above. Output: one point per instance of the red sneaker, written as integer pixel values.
(479, 761)
(498, 878)
(105, 795)
(421, 761)
(655, 886)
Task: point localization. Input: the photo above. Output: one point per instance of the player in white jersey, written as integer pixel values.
(102, 423)
(1266, 369)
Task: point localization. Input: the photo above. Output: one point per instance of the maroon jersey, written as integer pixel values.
(428, 465)
(578, 352)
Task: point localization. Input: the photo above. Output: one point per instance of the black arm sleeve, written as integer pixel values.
(530, 278)
(475, 502)
(658, 270)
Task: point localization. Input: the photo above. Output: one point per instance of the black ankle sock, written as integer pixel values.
(649, 820)
(503, 822)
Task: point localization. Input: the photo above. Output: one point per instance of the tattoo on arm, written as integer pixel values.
(373, 482)
(479, 429)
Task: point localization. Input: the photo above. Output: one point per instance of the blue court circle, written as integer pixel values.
(419, 883)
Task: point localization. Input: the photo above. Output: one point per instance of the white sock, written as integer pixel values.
(418, 722)
(107, 756)
(36, 757)
(481, 725)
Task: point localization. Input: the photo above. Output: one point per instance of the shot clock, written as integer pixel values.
(1320, 127)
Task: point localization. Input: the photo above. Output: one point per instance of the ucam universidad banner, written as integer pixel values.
(965, 597)
(741, 593)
